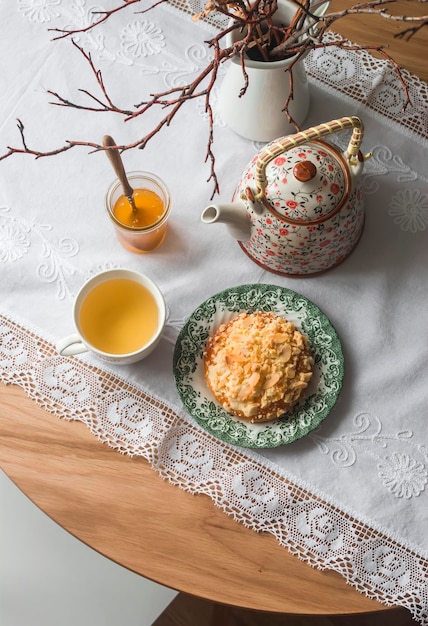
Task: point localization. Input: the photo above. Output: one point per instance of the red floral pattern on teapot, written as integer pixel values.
(298, 208)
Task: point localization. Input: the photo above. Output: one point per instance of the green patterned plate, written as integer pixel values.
(321, 394)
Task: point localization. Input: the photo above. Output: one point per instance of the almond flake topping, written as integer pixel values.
(258, 365)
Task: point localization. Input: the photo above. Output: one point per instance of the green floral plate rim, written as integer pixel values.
(320, 397)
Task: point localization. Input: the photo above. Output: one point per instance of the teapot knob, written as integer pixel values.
(285, 143)
(304, 171)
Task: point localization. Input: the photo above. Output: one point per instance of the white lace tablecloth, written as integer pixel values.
(352, 496)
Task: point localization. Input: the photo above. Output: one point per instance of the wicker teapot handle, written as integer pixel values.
(291, 141)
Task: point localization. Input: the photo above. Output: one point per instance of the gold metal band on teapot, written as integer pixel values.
(292, 141)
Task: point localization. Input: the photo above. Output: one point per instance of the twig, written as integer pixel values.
(105, 15)
(254, 20)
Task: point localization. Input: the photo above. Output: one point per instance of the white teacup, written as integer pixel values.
(119, 316)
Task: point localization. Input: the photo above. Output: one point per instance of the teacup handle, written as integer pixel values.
(291, 141)
(73, 344)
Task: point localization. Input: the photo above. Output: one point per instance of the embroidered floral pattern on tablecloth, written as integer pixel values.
(16, 237)
(409, 210)
(400, 463)
(141, 39)
(13, 243)
(40, 11)
(404, 476)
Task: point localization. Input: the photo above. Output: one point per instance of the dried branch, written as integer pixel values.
(108, 106)
(172, 99)
(105, 15)
(410, 32)
(254, 20)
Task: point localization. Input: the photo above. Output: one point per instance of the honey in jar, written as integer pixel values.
(143, 229)
(149, 209)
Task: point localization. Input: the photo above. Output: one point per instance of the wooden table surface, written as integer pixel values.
(122, 508)
(369, 30)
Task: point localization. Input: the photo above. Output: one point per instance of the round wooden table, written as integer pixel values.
(120, 507)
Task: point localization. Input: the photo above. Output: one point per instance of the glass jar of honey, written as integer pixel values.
(142, 227)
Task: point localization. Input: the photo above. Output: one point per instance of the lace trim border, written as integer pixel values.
(373, 83)
(130, 421)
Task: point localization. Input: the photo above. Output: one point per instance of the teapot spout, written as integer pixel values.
(234, 215)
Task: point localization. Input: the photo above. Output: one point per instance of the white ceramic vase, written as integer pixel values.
(258, 114)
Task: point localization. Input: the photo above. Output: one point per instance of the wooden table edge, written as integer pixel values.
(111, 503)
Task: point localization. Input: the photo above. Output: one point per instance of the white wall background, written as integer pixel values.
(49, 578)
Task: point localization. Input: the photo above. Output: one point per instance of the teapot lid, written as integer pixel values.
(308, 183)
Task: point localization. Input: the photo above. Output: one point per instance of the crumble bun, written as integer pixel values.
(257, 366)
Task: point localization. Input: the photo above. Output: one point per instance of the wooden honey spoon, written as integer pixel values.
(115, 159)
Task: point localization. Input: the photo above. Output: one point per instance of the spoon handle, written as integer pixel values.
(116, 161)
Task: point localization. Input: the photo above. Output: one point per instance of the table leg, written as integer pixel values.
(223, 616)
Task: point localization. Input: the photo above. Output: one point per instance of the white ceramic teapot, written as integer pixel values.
(298, 208)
